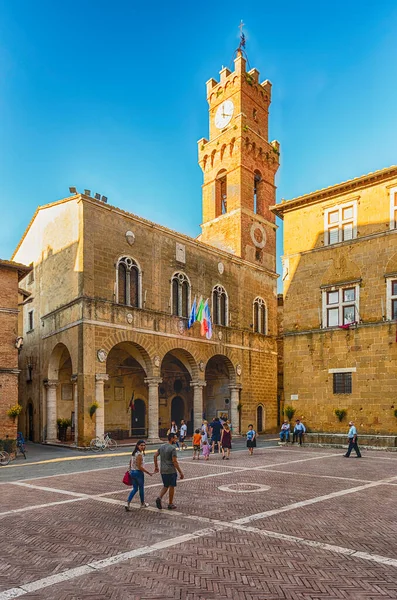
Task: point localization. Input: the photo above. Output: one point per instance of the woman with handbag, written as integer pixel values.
(137, 470)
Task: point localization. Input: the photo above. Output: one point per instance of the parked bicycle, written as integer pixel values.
(101, 443)
(4, 458)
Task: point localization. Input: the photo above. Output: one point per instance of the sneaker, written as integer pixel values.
(144, 505)
(127, 507)
(345, 456)
(171, 507)
(158, 503)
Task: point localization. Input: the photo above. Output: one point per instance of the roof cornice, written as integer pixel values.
(335, 190)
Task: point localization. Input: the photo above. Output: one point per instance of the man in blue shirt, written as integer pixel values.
(216, 428)
(352, 436)
(299, 430)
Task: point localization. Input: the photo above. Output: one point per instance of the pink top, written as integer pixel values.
(206, 450)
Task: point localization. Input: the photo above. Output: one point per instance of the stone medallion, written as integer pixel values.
(181, 327)
(156, 361)
(220, 335)
(258, 235)
(130, 237)
(201, 365)
(221, 268)
(238, 370)
(244, 488)
(129, 318)
(102, 355)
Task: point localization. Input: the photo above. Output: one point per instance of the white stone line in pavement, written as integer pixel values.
(277, 511)
(315, 476)
(36, 506)
(90, 568)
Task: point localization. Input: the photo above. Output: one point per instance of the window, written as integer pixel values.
(221, 193)
(30, 320)
(257, 180)
(260, 325)
(340, 223)
(220, 305)
(342, 383)
(128, 282)
(391, 299)
(393, 208)
(31, 274)
(180, 291)
(340, 306)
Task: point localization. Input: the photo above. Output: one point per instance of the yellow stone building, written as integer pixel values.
(340, 304)
(106, 319)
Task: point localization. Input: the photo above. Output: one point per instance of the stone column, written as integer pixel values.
(52, 433)
(73, 379)
(100, 379)
(153, 409)
(197, 403)
(234, 401)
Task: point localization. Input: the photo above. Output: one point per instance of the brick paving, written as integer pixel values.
(215, 557)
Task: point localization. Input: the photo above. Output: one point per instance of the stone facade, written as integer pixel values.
(110, 299)
(10, 275)
(340, 265)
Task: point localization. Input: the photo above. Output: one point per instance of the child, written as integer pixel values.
(251, 439)
(196, 444)
(206, 450)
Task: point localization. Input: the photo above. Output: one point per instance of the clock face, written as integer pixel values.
(224, 114)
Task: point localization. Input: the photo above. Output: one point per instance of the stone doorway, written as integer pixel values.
(138, 419)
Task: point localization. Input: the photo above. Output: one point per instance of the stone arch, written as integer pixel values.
(213, 155)
(143, 350)
(223, 151)
(260, 418)
(58, 352)
(228, 365)
(189, 361)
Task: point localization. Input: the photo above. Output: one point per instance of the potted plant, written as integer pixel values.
(289, 412)
(340, 413)
(14, 411)
(93, 408)
(63, 425)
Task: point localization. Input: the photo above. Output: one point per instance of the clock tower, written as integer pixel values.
(239, 166)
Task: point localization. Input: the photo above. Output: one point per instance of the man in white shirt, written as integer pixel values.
(284, 433)
(352, 436)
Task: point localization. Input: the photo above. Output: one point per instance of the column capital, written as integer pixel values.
(235, 386)
(101, 377)
(153, 381)
(74, 377)
(51, 383)
(198, 384)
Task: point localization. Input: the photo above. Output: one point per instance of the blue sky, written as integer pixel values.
(110, 96)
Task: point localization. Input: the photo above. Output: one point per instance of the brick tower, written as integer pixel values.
(239, 166)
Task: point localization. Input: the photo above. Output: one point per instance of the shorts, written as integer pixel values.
(169, 479)
(196, 447)
(251, 443)
(182, 439)
(216, 438)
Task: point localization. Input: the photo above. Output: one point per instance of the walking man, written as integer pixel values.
(182, 435)
(352, 435)
(169, 467)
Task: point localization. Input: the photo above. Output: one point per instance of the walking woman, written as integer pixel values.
(174, 429)
(226, 441)
(137, 470)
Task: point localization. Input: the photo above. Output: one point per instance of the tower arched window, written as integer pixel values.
(128, 282)
(180, 295)
(221, 193)
(220, 309)
(260, 316)
(257, 181)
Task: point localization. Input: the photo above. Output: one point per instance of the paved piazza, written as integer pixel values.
(294, 523)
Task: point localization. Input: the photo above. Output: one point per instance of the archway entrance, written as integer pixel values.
(260, 419)
(219, 374)
(59, 392)
(138, 419)
(30, 425)
(177, 409)
(125, 392)
(176, 394)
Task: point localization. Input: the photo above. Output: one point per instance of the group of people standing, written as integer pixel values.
(218, 433)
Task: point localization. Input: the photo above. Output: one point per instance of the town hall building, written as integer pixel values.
(106, 342)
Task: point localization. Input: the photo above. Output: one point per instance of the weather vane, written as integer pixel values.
(242, 36)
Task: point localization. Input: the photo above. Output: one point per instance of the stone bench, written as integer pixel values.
(340, 439)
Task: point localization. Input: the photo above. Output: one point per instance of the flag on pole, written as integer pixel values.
(192, 317)
(131, 404)
(200, 310)
(208, 333)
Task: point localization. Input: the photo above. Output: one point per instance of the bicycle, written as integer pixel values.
(101, 443)
(20, 447)
(4, 458)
